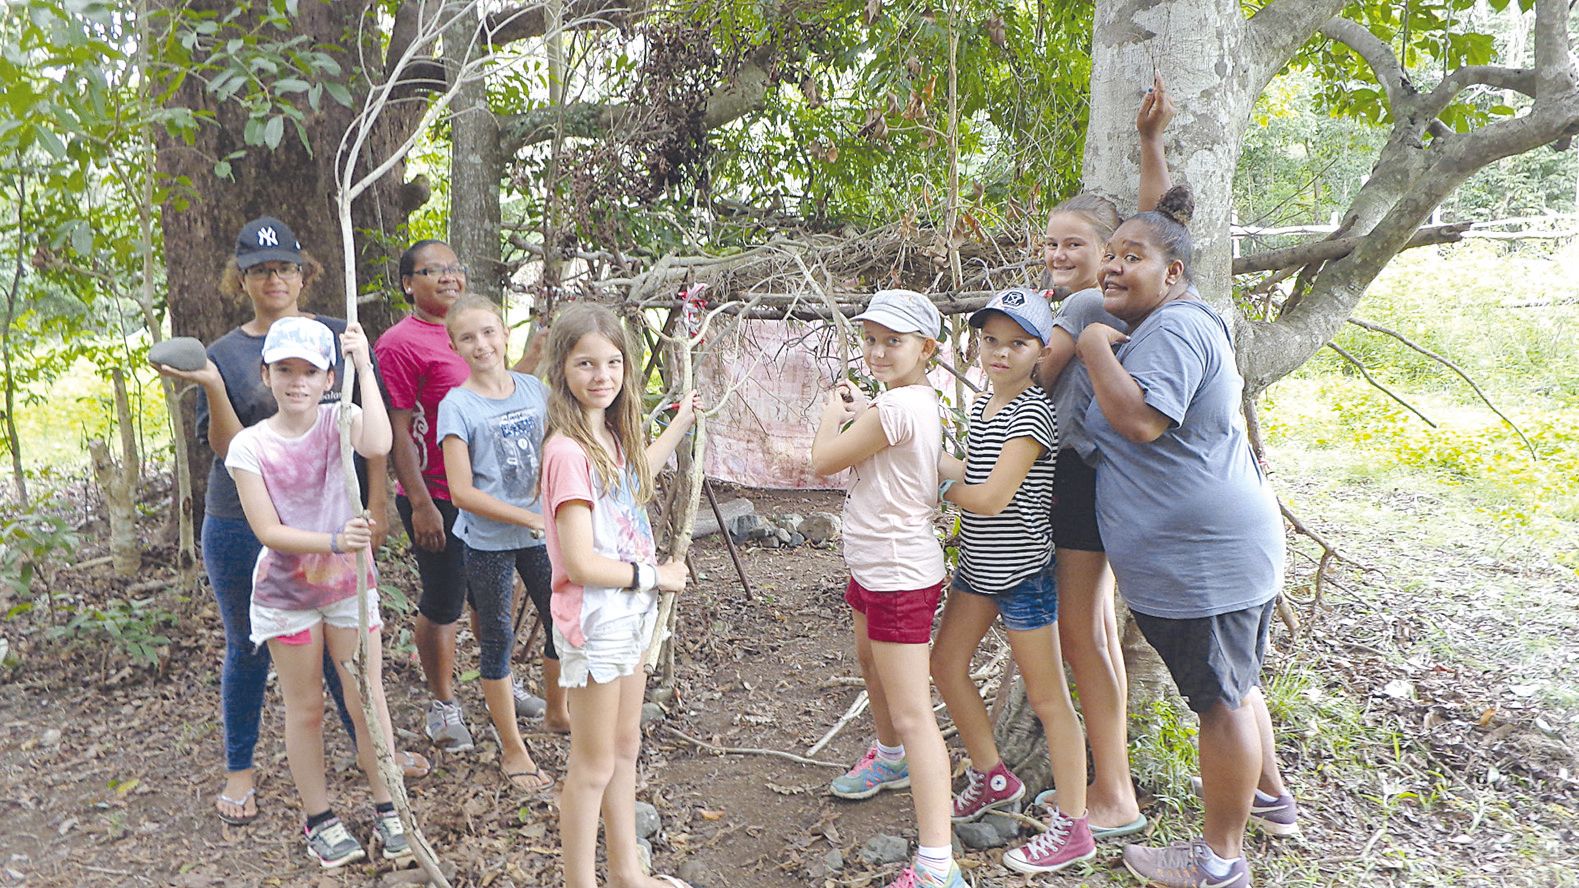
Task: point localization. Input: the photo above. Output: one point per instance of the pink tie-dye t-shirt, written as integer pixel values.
(620, 531)
(307, 486)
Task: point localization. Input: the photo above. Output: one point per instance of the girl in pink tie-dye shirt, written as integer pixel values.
(289, 477)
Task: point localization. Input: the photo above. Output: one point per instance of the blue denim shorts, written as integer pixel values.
(1030, 604)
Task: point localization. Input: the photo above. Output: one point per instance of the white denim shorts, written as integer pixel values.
(613, 649)
(291, 626)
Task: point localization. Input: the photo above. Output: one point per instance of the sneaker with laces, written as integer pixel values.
(1183, 866)
(871, 776)
(332, 845)
(921, 877)
(1279, 817)
(391, 835)
(1067, 841)
(447, 727)
(997, 788)
(528, 704)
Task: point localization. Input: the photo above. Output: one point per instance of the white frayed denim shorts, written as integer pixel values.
(613, 649)
(292, 626)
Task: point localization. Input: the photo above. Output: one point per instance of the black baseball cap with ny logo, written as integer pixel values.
(266, 239)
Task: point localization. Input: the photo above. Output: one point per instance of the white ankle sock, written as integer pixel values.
(890, 754)
(1217, 866)
(1265, 799)
(935, 860)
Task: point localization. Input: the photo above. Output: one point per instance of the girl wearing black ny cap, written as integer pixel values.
(271, 271)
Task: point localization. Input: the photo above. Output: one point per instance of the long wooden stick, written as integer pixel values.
(729, 543)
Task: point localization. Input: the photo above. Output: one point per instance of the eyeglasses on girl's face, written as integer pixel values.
(263, 272)
(442, 271)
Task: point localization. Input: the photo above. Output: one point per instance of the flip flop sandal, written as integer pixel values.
(413, 766)
(534, 774)
(1046, 799)
(674, 881)
(249, 796)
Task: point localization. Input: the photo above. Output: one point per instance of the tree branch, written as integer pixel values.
(1409, 181)
(1379, 56)
(531, 19)
(1280, 28)
(1378, 328)
(1365, 372)
(1328, 250)
(741, 94)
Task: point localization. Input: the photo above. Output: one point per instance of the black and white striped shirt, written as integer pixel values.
(1000, 551)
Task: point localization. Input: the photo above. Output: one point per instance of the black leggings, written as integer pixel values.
(491, 588)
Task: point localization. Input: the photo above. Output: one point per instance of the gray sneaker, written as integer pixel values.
(391, 835)
(528, 704)
(332, 845)
(447, 727)
(1183, 866)
(1278, 818)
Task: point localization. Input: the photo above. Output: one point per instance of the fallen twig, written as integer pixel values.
(857, 707)
(750, 750)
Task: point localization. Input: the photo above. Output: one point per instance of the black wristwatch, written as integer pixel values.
(635, 577)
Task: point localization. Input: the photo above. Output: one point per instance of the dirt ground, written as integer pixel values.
(1428, 734)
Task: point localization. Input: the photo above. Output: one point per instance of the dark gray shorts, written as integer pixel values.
(1212, 658)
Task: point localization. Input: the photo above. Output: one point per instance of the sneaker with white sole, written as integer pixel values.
(1278, 818)
(1066, 842)
(447, 727)
(528, 704)
(983, 792)
(391, 835)
(920, 877)
(1183, 866)
(332, 845)
(870, 776)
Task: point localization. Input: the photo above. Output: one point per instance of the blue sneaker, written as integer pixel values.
(916, 877)
(870, 777)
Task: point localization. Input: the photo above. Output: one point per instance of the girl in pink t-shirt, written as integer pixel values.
(896, 565)
(596, 478)
(288, 474)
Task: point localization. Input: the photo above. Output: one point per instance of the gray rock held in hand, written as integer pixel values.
(180, 352)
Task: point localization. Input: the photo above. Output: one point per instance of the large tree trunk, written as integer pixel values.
(200, 221)
(476, 167)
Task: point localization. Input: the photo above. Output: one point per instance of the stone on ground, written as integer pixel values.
(884, 849)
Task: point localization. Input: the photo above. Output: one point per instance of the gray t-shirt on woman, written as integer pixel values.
(1071, 391)
(1190, 524)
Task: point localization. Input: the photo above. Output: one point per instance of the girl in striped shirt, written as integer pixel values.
(1004, 488)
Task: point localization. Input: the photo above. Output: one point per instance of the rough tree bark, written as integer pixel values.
(200, 221)
(476, 167)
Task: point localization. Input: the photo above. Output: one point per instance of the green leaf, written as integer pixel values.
(273, 131)
(338, 92)
(51, 143)
(82, 239)
(222, 169)
(290, 85)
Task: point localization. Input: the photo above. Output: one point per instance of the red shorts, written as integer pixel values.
(902, 617)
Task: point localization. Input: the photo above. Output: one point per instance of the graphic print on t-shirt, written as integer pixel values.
(419, 435)
(514, 439)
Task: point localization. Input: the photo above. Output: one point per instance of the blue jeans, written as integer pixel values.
(229, 553)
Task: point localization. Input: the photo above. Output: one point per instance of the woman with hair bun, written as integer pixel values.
(1191, 528)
